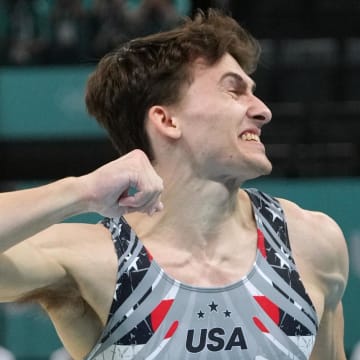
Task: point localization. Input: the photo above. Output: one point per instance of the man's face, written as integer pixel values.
(221, 122)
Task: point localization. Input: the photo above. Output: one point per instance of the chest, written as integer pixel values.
(204, 272)
(214, 262)
(155, 310)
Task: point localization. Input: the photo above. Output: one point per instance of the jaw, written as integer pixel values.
(254, 158)
(254, 151)
(234, 173)
(260, 166)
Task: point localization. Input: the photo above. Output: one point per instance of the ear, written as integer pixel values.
(164, 122)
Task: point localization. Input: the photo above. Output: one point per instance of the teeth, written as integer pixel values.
(250, 137)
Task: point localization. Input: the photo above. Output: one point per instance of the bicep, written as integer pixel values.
(28, 267)
(319, 244)
(320, 249)
(333, 264)
(330, 338)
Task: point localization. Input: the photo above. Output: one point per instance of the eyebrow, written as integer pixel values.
(239, 80)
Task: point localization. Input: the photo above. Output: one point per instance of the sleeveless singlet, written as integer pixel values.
(266, 315)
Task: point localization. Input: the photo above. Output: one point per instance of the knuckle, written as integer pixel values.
(139, 154)
(135, 155)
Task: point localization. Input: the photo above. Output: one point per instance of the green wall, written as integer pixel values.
(45, 102)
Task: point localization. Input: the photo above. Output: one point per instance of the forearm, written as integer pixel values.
(105, 191)
(24, 213)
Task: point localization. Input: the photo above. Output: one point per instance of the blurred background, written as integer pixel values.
(309, 75)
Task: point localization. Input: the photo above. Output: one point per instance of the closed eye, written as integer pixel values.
(234, 93)
(236, 85)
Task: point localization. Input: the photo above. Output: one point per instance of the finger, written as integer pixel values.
(137, 200)
(159, 206)
(141, 201)
(148, 202)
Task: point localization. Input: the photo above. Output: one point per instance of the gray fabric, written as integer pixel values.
(266, 315)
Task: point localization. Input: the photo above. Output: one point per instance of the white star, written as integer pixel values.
(283, 263)
(275, 213)
(287, 255)
(133, 265)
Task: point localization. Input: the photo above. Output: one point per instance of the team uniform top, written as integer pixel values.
(266, 315)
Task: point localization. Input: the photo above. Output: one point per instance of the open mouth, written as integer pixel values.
(248, 136)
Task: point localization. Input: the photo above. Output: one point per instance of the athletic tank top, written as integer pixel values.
(266, 315)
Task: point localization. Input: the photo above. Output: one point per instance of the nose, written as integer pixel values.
(259, 111)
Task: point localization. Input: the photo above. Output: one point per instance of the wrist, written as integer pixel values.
(75, 198)
(85, 194)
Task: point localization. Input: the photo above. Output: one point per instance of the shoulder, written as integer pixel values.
(309, 220)
(318, 242)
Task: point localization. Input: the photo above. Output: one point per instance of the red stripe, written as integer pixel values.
(171, 330)
(260, 325)
(261, 243)
(271, 309)
(159, 313)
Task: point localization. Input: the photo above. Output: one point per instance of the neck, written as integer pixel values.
(200, 203)
(196, 210)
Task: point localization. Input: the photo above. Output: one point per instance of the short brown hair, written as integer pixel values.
(152, 70)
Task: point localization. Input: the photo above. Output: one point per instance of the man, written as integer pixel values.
(219, 273)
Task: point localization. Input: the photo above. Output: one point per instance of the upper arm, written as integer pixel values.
(320, 248)
(330, 338)
(331, 261)
(333, 271)
(30, 266)
(321, 254)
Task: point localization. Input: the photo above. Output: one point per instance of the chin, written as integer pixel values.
(261, 169)
(268, 168)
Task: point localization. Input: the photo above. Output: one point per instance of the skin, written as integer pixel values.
(201, 177)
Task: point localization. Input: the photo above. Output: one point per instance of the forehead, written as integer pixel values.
(205, 73)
